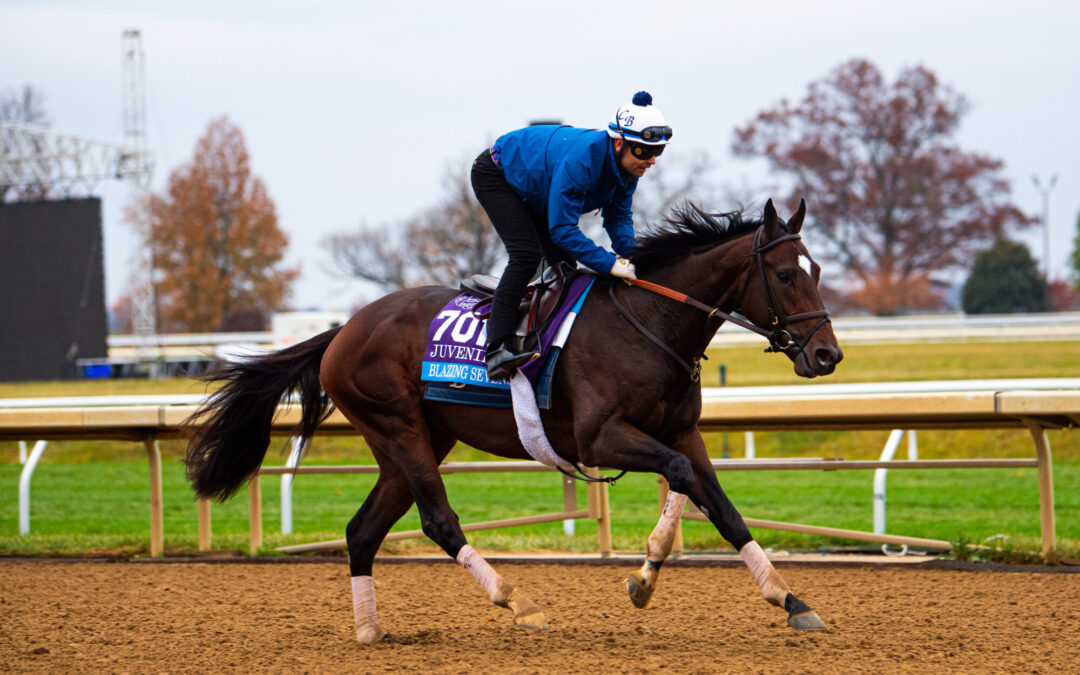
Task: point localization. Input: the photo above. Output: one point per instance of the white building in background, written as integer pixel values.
(289, 328)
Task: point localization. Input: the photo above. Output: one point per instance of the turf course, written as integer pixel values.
(92, 496)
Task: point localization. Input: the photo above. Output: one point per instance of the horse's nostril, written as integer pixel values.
(828, 357)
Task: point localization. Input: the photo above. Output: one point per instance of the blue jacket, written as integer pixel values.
(565, 172)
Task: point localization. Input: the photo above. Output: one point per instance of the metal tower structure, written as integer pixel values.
(39, 163)
(143, 305)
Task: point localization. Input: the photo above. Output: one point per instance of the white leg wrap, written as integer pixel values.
(663, 535)
(363, 600)
(773, 586)
(484, 573)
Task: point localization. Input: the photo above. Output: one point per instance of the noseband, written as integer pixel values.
(780, 340)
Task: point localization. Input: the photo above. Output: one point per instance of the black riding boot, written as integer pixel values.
(504, 357)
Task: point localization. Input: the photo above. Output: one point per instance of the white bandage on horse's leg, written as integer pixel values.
(363, 601)
(663, 535)
(773, 586)
(497, 588)
(642, 583)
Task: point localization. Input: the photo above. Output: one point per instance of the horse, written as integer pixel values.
(626, 396)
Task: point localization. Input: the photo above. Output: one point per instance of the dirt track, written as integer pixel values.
(115, 617)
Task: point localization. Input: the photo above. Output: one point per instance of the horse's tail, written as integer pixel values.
(228, 446)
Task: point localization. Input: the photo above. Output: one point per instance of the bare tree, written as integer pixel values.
(23, 105)
(454, 239)
(447, 242)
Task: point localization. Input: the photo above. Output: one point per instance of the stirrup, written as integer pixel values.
(501, 362)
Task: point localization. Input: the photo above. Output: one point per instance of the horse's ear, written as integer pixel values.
(769, 220)
(795, 224)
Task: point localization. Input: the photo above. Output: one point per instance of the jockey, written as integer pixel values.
(536, 182)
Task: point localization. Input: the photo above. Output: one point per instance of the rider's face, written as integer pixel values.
(630, 164)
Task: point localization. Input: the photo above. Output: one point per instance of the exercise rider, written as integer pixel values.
(536, 182)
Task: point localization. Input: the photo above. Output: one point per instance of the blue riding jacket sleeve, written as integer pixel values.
(564, 172)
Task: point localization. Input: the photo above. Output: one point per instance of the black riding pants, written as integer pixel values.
(525, 235)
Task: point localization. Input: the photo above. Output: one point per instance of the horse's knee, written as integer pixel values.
(443, 529)
(680, 474)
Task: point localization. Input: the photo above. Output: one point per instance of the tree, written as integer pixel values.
(454, 238)
(27, 106)
(444, 244)
(1074, 257)
(1005, 279)
(896, 201)
(216, 243)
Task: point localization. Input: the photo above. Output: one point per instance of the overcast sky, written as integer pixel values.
(353, 110)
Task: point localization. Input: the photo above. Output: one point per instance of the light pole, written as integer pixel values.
(1045, 217)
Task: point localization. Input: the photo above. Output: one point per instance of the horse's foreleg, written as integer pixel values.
(622, 446)
(710, 498)
(776, 590)
(642, 583)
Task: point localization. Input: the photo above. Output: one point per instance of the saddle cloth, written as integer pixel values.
(453, 367)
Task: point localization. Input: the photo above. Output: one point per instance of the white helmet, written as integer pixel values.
(639, 121)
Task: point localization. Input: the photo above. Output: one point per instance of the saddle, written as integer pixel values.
(542, 296)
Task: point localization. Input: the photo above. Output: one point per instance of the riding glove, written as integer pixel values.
(623, 268)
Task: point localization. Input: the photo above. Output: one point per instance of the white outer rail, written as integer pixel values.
(714, 393)
(24, 486)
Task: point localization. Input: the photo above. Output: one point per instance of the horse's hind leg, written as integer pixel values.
(410, 447)
(387, 503)
(440, 523)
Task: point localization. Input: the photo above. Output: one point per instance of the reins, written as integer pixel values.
(780, 340)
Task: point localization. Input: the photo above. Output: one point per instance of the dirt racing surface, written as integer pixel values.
(139, 617)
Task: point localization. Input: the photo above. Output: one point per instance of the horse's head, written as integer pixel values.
(781, 294)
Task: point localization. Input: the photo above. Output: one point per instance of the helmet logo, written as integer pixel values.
(626, 118)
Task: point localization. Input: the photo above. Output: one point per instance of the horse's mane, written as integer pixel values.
(685, 229)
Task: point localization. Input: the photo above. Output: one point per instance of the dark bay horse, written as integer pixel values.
(622, 400)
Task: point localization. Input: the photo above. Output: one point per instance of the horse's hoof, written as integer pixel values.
(639, 589)
(807, 621)
(526, 613)
(800, 616)
(371, 635)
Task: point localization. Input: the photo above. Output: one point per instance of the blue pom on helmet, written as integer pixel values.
(639, 121)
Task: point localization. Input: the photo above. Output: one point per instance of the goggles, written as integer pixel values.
(653, 134)
(644, 152)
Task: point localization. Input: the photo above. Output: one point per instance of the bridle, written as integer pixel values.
(780, 340)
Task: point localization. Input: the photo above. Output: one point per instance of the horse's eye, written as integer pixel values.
(786, 277)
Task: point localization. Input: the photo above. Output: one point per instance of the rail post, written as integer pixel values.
(157, 520)
(599, 509)
(205, 531)
(569, 502)
(1046, 494)
(254, 515)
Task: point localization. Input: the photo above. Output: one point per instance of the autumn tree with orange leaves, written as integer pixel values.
(894, 198)
(216, 242)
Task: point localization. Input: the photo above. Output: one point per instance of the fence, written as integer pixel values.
(803, 407)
